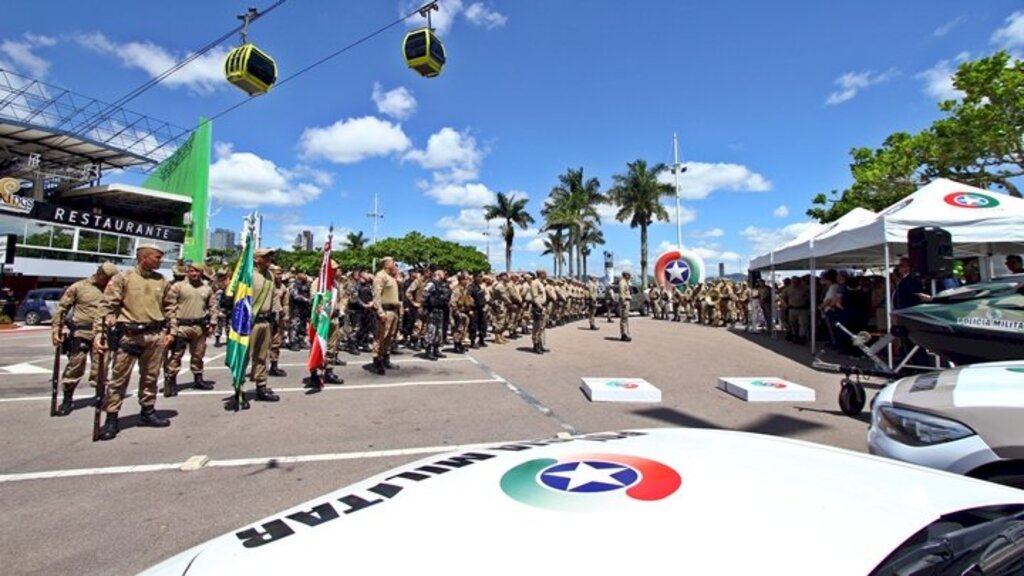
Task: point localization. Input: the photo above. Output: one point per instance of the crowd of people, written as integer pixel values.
(114, 320)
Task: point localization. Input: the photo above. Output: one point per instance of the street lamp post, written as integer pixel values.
(677, 169)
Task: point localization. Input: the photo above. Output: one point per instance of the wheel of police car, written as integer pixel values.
(32, 318)
(851, 397)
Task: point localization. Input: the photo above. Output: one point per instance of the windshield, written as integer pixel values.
(987, 540)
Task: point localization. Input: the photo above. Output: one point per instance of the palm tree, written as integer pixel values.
(592, 236)
(554, 245)
(355, 240)
(638, 194)
(513, 211)
(573, 203)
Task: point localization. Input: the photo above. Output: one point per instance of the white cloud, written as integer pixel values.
(781, 212)
(453, 155)
(398, 102)
(441, 19)
(535, 245)
(607, 214)
(948, 26)
(291, 227)
(353, 140)
(624, 265)
(713, 233)
(202, 75)
(481, 15)
(1011, 35)
(764, 240)
(710, 253)
(20, 55)
(938, 80)
(703, 178)
(247, 180)
(477, 14)
(474, 195)
(853, 82)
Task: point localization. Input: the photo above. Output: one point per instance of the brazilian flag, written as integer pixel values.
(240, 289)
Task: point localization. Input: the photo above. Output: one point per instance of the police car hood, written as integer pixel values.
(988, 398)
(690, 500)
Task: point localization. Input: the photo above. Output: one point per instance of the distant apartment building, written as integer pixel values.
(304, 240)
(222, 239)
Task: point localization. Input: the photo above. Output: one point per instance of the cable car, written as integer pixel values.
(250, 69)
(424, 53)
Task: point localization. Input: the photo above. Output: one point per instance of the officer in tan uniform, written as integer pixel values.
(387, 305)
(591, 295)
(501, 304)
(266, 312)
(625, 295)
(283, 322)
(83, 297)
(538, 309)
(138, 308)
(461, 305)
(195, 302)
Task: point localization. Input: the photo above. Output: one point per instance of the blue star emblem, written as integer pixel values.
(677, 272)
(589, 476)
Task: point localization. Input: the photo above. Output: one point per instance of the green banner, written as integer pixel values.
(187, 172)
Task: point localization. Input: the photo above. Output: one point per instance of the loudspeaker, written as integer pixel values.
(930, 250)
(753, 277)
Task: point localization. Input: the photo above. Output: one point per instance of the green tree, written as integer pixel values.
(592, 236)
(980, 142)
(554, 245)
(355, 240)
(513, 212)
(572, 205)
(416, 249)
(638, 195)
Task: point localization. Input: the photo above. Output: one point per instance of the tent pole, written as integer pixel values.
(814, 301)
(771, 307)
(888, 300)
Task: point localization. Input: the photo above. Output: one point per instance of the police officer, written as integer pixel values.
(138, 307)
(435, 301)
(538, 307)
(83, 298)
(478, 322)
(283, 324)
(266, 311)
(592, 291)
(461, 306)
(194, 300)
(387, 305)
(625, 295)
(300, 299)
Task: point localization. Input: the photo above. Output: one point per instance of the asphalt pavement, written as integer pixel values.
(74, 506)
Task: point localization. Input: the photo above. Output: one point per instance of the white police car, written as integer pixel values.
(685, 501)
(967, 420)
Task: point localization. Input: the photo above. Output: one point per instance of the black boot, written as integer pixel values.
(201, 384)
(149, 418)
(275, 371)
(110, 427)
(387, 363)
(437, 352)
(483, 344)
(170, 386)
(338, 362)
(265, 394)
(538, 349)
(331, 378)
(314, 380)
(216, 341)
(378, 367)
(67, 404)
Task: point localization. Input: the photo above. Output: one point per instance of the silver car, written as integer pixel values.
(967, 420)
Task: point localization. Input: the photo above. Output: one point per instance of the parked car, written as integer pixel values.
(967, 420)
(671, 500)
(38, 306)
(637, 304)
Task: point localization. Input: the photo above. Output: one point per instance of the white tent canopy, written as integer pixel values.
(799, 249)
(980, 223)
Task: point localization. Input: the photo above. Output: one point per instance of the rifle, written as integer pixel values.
(55, 380)
(112, 337)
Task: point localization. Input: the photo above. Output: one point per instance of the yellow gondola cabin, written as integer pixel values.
(424, 53)
(250, 69)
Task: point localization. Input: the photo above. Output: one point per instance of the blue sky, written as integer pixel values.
(767, 99)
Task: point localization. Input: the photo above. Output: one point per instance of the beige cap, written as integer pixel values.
(264, 251)
(150, 245)
(107, 269)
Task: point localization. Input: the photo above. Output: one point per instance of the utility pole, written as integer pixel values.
(677, 169)
(376, 215)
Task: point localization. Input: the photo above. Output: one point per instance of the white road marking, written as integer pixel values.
(24, 368)
(327, 388)
(240, 462)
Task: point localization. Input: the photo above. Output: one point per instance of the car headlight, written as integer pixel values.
(918, 429)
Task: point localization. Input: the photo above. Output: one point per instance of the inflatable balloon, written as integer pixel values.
(679, 269)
